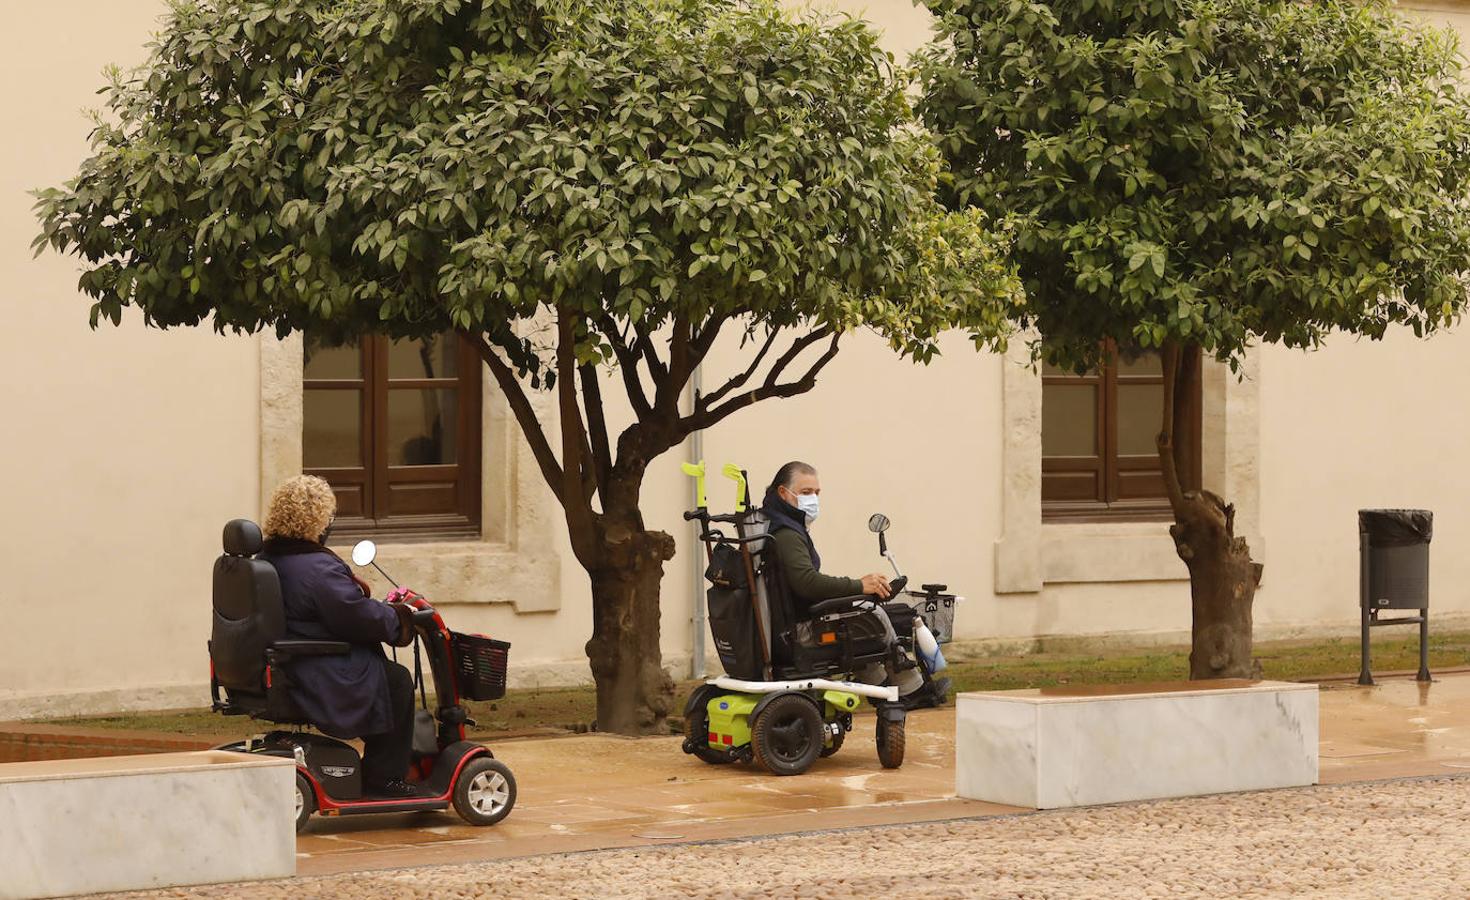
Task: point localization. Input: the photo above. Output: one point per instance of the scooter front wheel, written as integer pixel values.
(485, 791)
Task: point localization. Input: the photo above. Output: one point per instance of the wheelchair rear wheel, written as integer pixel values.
(788, 735)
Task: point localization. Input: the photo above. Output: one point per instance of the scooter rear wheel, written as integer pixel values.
(788, 735)
(305, 802)
(485, 791)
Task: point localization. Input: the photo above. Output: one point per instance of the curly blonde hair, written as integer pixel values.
(301, 507)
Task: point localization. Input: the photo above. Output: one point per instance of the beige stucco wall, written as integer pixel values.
(126, 449)
(123, 450)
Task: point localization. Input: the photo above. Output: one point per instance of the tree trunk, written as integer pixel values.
(1222, 577)
(634, 693)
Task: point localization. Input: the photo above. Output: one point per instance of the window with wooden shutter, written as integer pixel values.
(394, 427)
(1099, 457)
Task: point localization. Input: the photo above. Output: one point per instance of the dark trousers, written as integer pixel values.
(386, 756)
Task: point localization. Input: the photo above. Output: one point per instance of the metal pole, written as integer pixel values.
(696, 559)
(1365, 675)
(1424, 631)
(1423, 646)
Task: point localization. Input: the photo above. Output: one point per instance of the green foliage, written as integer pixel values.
(408, 166)
(1209, 171)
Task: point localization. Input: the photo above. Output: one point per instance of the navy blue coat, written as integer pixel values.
(345, 696)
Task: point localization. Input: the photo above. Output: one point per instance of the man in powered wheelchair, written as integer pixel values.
(784, 631)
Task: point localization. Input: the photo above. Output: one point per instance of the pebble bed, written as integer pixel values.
(1400, 839)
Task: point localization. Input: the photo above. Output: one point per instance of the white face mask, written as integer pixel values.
(809, 504)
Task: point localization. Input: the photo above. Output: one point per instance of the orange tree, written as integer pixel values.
(571, 186)
(1194, 176)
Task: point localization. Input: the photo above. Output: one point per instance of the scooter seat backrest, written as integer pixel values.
(248, 614)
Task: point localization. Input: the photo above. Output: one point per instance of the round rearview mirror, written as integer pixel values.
(878, 523)
(364, 552)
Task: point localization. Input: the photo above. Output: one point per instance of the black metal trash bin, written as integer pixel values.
(1394, 574)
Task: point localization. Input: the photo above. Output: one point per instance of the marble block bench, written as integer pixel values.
(1081, 746)
(115, 823)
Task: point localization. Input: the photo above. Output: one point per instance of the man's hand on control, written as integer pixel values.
(876, 584)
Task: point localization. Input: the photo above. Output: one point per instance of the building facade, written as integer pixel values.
(126, 449)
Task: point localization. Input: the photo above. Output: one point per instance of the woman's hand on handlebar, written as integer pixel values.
(876, 584)
(400, 595)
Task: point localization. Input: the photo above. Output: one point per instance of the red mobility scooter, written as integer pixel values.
(249, 661)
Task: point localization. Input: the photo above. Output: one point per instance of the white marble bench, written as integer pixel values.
(118, 823)
(1059, 747)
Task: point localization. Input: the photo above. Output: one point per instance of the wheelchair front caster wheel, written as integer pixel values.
(890, 742)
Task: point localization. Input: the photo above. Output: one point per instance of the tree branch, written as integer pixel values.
(597, 425)
(797, 346)
(743, 377)
(705, 339)
(628, 367)
(576, 451)
(1166, 435)
(644, 345)
(520, 405)
(680, 367)
(706, 416)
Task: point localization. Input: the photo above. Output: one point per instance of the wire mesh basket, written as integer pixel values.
(937, 611)
(480, 665)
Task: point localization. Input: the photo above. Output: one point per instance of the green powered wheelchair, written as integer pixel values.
(786, 699)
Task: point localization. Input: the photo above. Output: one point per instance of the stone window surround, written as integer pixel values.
(1031, 554)
(514, 561)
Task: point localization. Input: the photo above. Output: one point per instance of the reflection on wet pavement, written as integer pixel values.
(597, 791)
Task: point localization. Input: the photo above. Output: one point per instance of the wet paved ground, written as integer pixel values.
(598, 792)
(1399, 839)
(1389, 820)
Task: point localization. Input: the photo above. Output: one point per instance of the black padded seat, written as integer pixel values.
(248, 645)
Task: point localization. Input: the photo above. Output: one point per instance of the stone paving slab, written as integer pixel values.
(1400, 839)
(599, 791)
(595, 792)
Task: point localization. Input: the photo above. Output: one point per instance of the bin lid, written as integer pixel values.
(1396, 527)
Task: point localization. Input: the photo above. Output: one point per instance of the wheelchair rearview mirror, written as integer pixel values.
(878, 523)
(364, 552)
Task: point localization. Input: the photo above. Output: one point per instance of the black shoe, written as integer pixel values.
(930, 695)
(392, 789)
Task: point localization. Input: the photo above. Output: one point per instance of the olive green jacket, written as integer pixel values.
(806, 584)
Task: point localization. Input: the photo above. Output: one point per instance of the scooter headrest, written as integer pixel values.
(242, 537)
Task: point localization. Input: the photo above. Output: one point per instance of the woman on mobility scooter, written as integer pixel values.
(359, 694)
(295, 641)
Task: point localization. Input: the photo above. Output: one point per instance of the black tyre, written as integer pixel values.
(696, 734)
(305, 802)
(890, 742)
(788, 735)
(834, 743)
(485, 792)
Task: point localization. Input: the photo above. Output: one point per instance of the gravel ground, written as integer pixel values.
(1407, 838)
